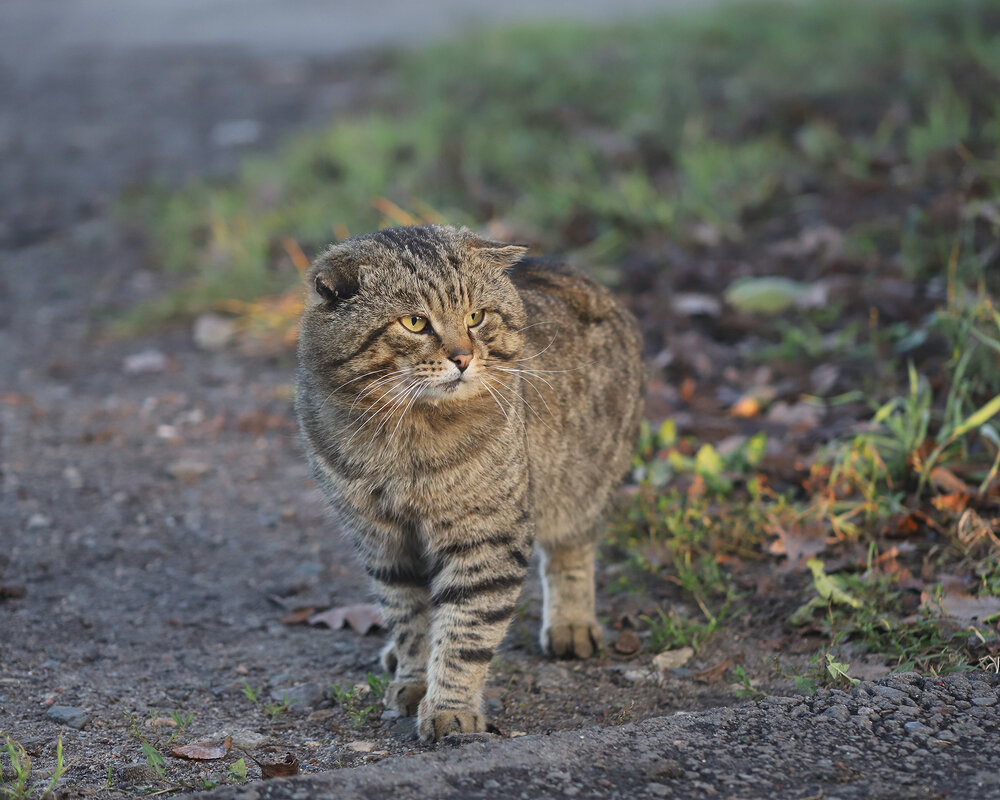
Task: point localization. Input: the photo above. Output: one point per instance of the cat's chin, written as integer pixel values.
(455, 391)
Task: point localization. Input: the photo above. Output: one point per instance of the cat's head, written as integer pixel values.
(425, 313)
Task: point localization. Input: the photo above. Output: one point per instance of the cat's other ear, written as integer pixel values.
(333, 277)
(495, 255)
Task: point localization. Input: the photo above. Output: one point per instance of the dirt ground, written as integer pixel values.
(157, 520)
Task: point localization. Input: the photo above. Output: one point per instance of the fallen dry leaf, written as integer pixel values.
(712, 674)
(747, 406)
(954, 502)
(672, 659)
(627, 643)
(959, 605)
(201, 751)
(362, 618)
(797, 544)
(300, 616)
(286, 767)
(947, 480)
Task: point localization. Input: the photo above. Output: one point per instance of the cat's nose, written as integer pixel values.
(461, 359)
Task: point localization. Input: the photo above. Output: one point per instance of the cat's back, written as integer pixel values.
(583, 379)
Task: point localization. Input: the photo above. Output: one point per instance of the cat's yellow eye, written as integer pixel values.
(414, 323)
(473, 319)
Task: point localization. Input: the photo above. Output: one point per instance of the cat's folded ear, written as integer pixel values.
(334, 276)
(496, 255)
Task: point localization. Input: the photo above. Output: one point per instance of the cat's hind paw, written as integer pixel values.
(437, 725)
(404, 697)
(572, 639)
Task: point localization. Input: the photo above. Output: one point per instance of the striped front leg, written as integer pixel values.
(473, 596)
(404, 597)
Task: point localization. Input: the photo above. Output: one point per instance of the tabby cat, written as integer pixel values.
(458, 402)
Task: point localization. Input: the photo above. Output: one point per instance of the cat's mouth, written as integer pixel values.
(451, 388)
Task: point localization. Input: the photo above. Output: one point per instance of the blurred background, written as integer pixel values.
(799, 200)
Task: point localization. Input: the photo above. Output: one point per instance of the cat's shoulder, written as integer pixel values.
(583, 297)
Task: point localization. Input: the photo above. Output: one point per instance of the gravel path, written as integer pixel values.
(900, 738)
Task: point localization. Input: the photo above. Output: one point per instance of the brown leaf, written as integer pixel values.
(286, 767)
(362, 618)
(959, 605)
(747, 406)
(797, 544)
(202, 751)
(627, 643)
(299, 617)
(954, 502)
(712, 674)
(947, 480)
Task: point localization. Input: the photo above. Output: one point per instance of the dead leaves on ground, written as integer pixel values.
(275, 766)
(360, 617)
(202, 751)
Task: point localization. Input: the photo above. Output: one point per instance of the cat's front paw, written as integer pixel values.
(404, 697)
(436, 725)
(572, 639)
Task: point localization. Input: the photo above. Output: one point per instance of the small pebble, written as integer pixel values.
(68, 715)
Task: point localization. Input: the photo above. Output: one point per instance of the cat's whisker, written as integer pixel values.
(413, 398)
(389, 399)
(375, 385)
(527, 372)
(570, 369)
(414, 390)
(536, 355)
(533, 324)
(510, 403)
(530, 407)
(496, 399)
(373, 408)
(528, 377)
(346, 383)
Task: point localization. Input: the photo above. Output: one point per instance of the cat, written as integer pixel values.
(459, 401)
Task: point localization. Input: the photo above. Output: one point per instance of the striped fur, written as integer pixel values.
(445, 478)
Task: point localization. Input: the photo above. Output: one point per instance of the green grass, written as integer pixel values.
(603, 140)
(15, 774)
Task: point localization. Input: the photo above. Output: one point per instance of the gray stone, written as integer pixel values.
(405, 727)
(839, 712)
(69, 715)
(916, 727)
(983, 701)
(895, 695)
